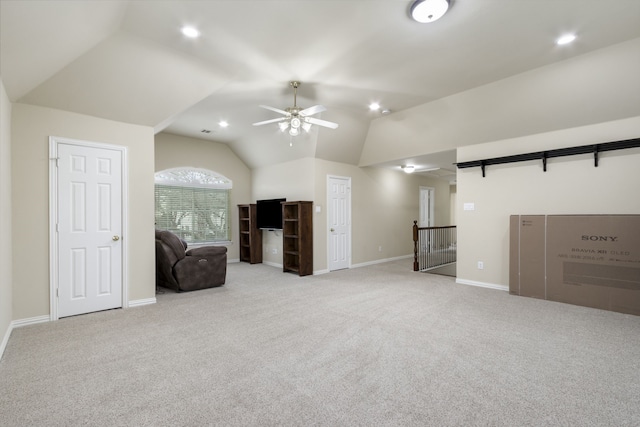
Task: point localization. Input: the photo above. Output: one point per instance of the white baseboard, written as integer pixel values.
(140, 302)
(362, 264)
(272, 264)
(46, 318)
(380, 261)
(18, 323)
(482, 284)
(233, 261)
(5, 340)
(30, 321)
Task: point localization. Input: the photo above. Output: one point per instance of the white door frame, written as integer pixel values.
(431, 205)
(53, 217)
(328, 235)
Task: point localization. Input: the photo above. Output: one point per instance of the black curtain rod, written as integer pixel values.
(560, 152)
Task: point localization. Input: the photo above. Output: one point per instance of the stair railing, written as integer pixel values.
(433, 246)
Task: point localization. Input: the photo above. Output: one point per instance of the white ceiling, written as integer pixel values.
(128, 61)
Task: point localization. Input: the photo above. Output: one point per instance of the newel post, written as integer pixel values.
(415, 246)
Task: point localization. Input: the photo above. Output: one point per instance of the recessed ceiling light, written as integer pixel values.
(566, 39)
(223, 124)
(425, 11)
(190, 32)
(374, 106)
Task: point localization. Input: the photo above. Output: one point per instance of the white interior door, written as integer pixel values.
(339, 222)
(426, 207)
(426, 218)
(89, 227)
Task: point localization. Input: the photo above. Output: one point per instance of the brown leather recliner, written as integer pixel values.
(182, 270)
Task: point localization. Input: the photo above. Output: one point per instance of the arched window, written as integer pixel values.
(194, 204)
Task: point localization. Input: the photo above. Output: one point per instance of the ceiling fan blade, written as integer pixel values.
(321, 122)
(279, 119)
(277, 110)
(312, 110)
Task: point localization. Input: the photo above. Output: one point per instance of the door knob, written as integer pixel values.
(116, 238)
(332, 230)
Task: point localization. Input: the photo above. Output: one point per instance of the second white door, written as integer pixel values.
(339, 222)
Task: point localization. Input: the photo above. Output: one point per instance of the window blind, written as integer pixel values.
(197, 215)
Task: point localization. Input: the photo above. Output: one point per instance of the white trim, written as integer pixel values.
(5, 340)
(272, 264)
(53, 220)
(30, 321)
(483, 284)
(141, 302)
(53, 217)
(380, 261)
(431, 195)
(17, 324)
(318, 272)
(125, 225)
(233, 261)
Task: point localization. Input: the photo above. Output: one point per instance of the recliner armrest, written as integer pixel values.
(206, 251)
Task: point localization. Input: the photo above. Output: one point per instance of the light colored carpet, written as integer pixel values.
(373, 346)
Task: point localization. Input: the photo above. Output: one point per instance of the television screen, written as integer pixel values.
(269, 214)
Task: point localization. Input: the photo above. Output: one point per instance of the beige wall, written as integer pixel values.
(384, 205)
(6, 282)
(453, 200)
(173, 151)
(571, 185)
(31, 128)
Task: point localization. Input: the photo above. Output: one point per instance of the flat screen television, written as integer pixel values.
(269, 214)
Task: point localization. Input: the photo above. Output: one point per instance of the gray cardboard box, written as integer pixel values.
(527, 260)
(590, 260)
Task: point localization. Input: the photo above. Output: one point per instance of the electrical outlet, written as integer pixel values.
(274, 250)
(480, 265)
(379, 248)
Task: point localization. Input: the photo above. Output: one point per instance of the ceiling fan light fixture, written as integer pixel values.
(425, 11)
(408, 168)
(296, 117)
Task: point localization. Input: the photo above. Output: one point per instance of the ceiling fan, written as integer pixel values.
(295, 117)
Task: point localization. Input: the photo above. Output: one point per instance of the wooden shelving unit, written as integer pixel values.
(250, 235)
(297, 237)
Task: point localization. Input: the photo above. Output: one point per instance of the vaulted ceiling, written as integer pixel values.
(128, 61)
